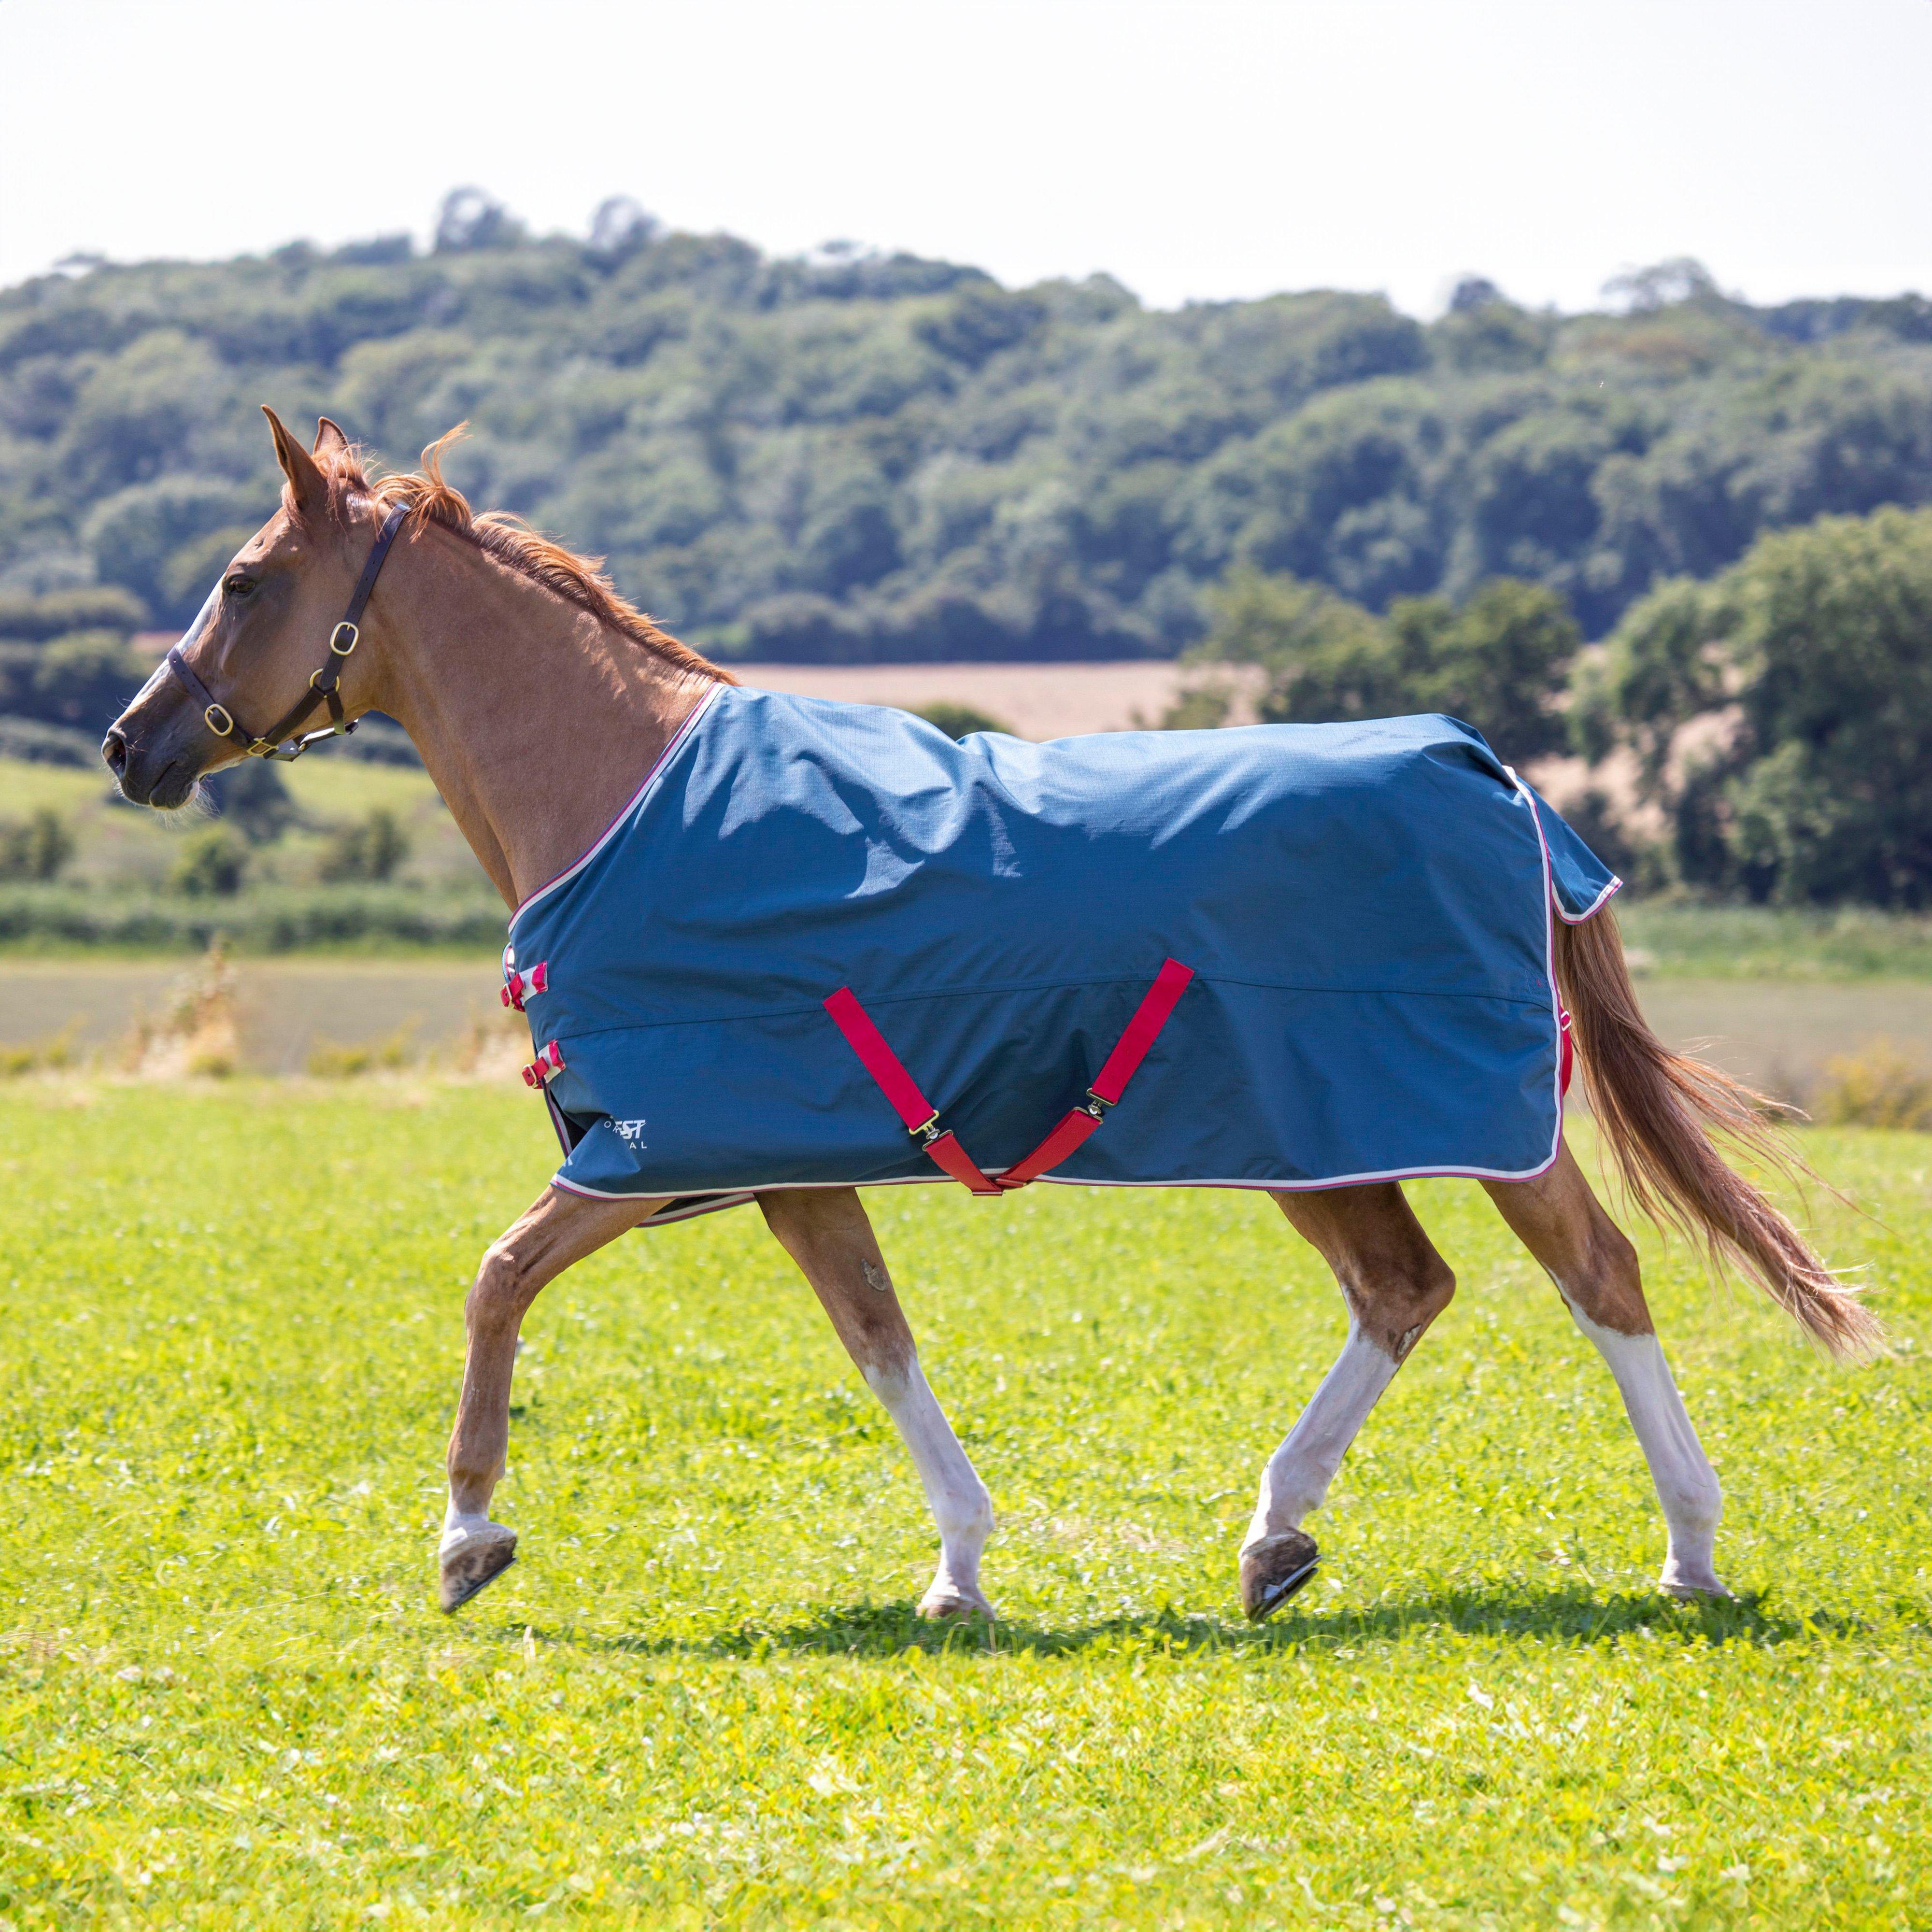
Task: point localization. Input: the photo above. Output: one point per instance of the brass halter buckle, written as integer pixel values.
(226, 727)
(339, 648)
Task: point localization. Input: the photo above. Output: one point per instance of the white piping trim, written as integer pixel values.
(708, 1204)
(610, 831)
(1596, 905)
(734, 1197)
(726, 1195)
(1549, 959)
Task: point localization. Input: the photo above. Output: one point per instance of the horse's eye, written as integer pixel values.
(238, 586)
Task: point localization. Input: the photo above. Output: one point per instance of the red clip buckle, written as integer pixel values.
(536, 980)
(547, 1065)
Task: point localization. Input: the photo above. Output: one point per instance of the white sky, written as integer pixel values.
(1194, 148)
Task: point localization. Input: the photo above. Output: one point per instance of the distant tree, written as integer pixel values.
(470, 219)
(960, 721)
(1484, 329)
(154, 539)
(977, 323)
(1324, 658)
(1473, 293)
(371, 848)
(254, 798)
(94, 607)
(1500, 662)
(83, 679)
(1783, 714)
(36, 847)
(65, 659)
(212, 863)
(620, 228)
(1662, 285)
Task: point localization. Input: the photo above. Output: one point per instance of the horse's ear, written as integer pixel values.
(329, 438)
(306, 484)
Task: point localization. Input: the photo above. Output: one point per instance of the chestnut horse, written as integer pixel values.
(536, 697)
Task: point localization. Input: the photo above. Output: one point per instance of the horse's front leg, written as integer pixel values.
(560, 1228)
(827, 1233)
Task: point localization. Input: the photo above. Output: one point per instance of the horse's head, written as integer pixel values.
(255, 644)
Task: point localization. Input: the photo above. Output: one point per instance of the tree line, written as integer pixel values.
(1585, 532)
(852, 456)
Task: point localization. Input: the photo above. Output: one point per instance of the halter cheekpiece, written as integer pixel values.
(276, 742)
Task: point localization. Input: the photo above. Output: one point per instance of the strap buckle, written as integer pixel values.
(927, 1130)
(342, 650)
(226, 728)
(1097, 1105)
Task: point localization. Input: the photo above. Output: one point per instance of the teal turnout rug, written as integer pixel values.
(1324, 948)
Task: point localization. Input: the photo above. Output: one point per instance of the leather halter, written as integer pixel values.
(275, 741)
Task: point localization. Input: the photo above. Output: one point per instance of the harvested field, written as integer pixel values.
(1778, 1035)
(1037, 700)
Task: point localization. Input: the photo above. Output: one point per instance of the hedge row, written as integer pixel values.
(286, 919)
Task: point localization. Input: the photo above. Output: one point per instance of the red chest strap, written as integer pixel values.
(922, 1118)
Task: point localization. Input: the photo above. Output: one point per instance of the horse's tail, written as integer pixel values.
(1657, 1109)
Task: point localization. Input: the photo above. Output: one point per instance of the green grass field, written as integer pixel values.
(232, 1340)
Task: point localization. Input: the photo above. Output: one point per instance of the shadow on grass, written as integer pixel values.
(1574, 1615)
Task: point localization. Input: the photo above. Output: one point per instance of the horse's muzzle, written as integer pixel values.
(156, 749)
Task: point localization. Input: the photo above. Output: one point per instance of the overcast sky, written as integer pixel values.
(1194, 150)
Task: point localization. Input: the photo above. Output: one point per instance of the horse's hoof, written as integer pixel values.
(470, 1561)
(1690, 1586)
(950, 1603)
(1273, 1570)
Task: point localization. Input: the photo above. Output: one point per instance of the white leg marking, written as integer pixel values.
(1687, 1485)
(472, 1527)
(1299, 1472)
(961, 1505)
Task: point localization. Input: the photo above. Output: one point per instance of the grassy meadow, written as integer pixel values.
(226, 1700)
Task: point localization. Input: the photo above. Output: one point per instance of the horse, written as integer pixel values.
(536, 695)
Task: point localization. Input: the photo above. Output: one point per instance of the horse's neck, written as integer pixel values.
(536, 721)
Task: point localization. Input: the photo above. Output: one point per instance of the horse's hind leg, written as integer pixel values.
(1563, 1225)
(560, 1228)
(826, 1232)
(1395, 1284)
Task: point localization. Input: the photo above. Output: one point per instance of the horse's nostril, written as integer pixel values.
(114, 749)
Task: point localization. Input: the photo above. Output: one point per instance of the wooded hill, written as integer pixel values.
(854, 457)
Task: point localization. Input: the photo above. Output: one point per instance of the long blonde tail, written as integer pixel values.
(1656, 1111)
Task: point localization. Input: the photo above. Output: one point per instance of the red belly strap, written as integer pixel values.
(922, 1118)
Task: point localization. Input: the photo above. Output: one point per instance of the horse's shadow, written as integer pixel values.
(1573, 1615)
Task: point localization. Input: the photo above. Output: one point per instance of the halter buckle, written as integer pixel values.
(343, 650)
(226, 728)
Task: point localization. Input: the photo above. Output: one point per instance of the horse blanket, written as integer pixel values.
(1361, 914)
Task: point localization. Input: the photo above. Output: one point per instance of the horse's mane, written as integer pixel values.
(579, 580)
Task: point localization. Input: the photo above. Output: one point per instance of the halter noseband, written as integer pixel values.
(275, 743)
